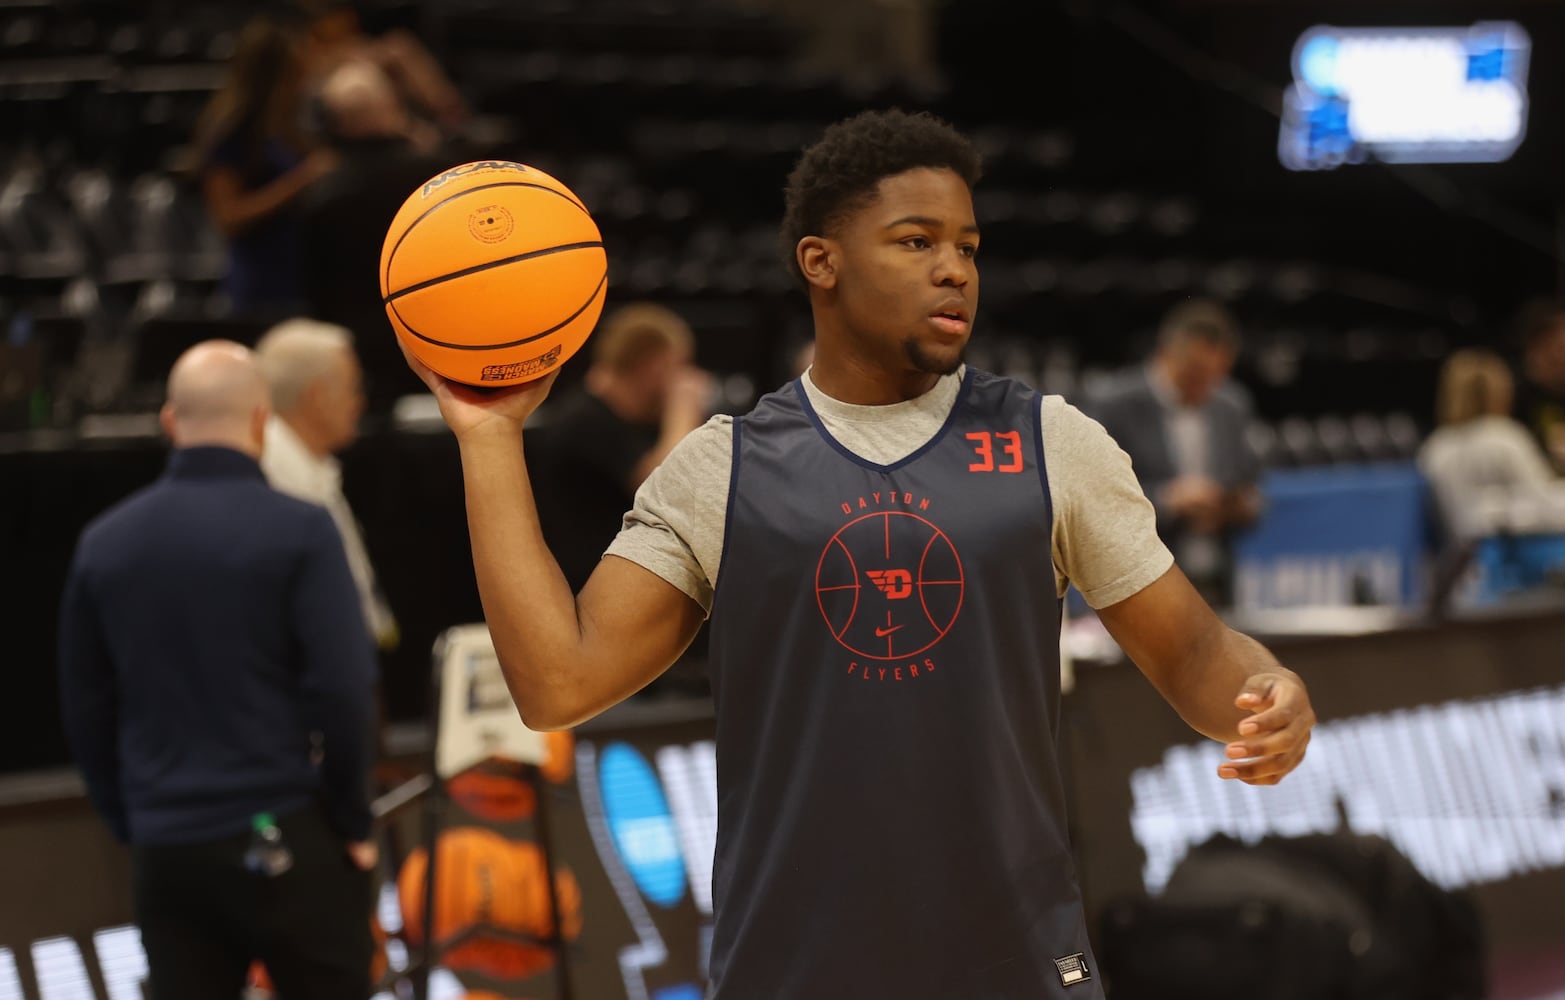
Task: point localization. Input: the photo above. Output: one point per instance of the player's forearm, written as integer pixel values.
(1217, 670)
(529, 606)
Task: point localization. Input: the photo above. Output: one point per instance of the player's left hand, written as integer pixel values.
(1273, 737)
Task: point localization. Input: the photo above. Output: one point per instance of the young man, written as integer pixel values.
(884, 654)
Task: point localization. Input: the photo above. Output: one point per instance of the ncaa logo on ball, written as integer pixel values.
(490, 224)
(520, 369)
(467, 168)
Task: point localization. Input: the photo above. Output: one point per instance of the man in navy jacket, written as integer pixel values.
(214, 669)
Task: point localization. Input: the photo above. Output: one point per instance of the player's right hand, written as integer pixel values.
(467, 410)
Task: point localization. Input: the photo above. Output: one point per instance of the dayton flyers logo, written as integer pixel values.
(889, 585)
(896, 584)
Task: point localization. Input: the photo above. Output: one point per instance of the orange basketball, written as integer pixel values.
(493, 790)
(493, 273)
(486, 880)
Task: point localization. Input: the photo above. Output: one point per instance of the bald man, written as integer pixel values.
(215, 678)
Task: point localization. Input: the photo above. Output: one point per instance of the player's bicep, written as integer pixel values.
(634, 625)
(1105, 537)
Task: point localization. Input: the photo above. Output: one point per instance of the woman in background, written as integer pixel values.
(1483, 465)
(255, 159)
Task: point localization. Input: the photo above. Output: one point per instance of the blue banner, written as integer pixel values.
(1335, 535)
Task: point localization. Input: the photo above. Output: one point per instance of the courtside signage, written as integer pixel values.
(1475, 797)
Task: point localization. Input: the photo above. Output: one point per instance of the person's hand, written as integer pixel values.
(1243, 505)
(364, 854)
(318, 164)
(467, 410)
(689, 400)
(1273, 738)
(1197, 500)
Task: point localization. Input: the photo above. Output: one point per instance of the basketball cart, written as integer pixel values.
(474, 722)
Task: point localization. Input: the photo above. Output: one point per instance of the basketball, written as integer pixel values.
(493, 273)
(493, 790)
(472, 862)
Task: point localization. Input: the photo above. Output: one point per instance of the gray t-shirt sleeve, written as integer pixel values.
(1104, 540)
(1105, 531)
(675, 529)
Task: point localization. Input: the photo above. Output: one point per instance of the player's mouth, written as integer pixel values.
(951, 319)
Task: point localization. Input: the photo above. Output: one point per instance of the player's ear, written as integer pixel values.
(817, 257)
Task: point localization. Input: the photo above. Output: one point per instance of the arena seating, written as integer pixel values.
(677, 132)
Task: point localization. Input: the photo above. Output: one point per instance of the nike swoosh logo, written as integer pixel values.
(881, 633)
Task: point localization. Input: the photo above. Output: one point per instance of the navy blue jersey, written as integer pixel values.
(885, 661)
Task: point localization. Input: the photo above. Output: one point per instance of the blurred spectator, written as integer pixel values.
(335, 36)
(1484, 467)
(604, 437)
(867, 43)
(1184, 423)
(1540, 390)
(317, 390)
(214, 683)
(344, 218)
(255, 160)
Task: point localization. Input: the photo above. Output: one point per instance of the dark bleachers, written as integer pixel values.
(677, 123)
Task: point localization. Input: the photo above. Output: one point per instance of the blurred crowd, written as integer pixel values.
(319, 129)
(314, 139)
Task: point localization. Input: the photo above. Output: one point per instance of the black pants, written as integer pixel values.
(204, 918)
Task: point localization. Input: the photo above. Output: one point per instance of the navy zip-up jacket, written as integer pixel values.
(213, 658)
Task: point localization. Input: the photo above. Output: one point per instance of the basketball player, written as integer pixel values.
(884, 653)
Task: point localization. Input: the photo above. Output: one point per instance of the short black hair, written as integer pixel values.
(838, 174)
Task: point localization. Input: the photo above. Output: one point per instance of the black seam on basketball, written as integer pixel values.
(386, 278)
(567, 321)
(514, 258)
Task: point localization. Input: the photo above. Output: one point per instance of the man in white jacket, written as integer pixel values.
(318, 397)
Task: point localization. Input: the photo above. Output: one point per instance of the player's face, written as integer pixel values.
(907, 277)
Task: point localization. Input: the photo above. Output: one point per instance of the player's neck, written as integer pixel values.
(850, 379)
